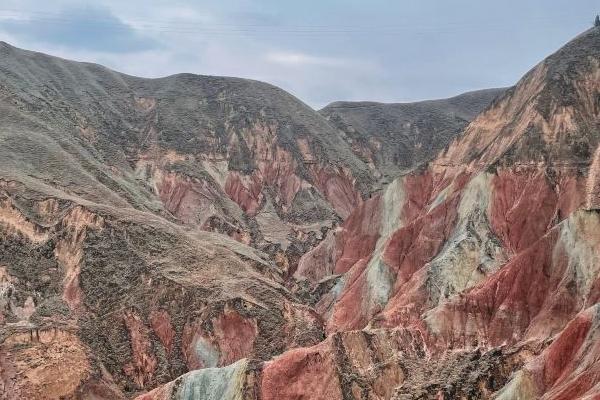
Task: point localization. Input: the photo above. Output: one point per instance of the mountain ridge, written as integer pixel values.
(396, 138)
(340, 278)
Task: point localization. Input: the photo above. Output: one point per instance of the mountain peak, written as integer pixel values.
(545, 117)
(578, 55)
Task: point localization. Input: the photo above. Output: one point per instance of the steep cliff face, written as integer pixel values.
(475, 276)
(567, 369)
(473, 212)
(495, 243)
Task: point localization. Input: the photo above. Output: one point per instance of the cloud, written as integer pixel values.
(379, 50)
(89, 28)
(301, 59)
(252, 18)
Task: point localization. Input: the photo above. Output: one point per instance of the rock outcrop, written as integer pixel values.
(142, 300)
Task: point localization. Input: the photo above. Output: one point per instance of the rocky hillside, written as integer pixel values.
(151, 227)
(492, 248)
(229, 155)
(209, 238)
(396, 138)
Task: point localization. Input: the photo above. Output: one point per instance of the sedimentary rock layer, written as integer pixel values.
(474, 276)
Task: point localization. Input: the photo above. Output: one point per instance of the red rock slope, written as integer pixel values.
(475, 277)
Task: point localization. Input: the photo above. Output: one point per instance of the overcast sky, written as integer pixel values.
(319, 50)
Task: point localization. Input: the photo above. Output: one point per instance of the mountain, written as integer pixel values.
(113, 193)
(229, 155)
(152, 226)
(215, 238)
(394, 138)
(492, 247)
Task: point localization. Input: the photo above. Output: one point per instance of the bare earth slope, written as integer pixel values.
(475, 276)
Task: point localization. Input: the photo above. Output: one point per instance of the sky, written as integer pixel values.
(319, 50)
